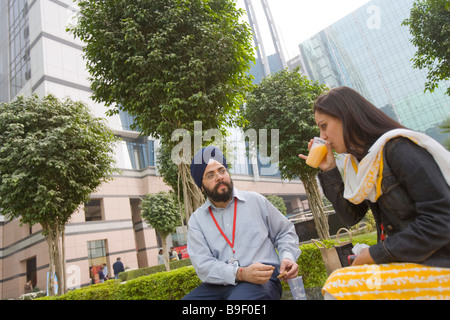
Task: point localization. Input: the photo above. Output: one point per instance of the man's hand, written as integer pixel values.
(290, 267)
(256, 273)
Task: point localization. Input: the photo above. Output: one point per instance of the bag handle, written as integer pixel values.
(317, 242)
(346, 230)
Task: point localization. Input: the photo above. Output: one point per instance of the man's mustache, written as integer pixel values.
(216, 187)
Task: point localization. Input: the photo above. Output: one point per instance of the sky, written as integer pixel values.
(298, 20)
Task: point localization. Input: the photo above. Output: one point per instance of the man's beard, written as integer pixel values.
(215, 196)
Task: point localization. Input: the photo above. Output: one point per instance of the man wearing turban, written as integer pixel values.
(238, 242)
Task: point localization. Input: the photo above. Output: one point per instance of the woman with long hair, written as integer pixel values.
(403, 177)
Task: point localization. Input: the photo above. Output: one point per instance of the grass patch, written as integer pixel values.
(372, 236)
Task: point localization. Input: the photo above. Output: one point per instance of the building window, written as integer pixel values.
(127, 121)
(93, 210)
(97, 259)
(141, 152)
(31, 271)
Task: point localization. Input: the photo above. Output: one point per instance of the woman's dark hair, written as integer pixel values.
(362, 122)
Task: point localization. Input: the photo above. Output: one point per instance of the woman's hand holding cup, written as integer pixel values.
(320, 158)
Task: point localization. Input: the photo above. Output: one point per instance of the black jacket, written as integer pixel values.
(414, 207)
(118, 267)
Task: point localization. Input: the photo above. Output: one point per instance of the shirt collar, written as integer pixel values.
(236, 193)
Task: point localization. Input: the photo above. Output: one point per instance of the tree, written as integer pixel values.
(429, 25)
(161, 212)
(168, 63)
(277, 202)
(284, 101)
(53, 155)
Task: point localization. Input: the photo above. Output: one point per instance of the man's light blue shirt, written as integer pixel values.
(261, 232)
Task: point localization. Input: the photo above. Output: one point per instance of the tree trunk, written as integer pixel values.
(192, 195)
(316, 206)
(58, 262)
(63, 281)
(165, 250)
(180, 206)
(51, 266)
(55, 243)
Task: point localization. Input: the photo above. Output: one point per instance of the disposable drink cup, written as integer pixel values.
(317, 153)
(297, 288)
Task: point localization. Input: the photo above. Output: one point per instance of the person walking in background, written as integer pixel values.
(161, 256)
(101, 275)
(105, 271)
(403, 176)
(92, 274)
(117, 268)
(28, 287)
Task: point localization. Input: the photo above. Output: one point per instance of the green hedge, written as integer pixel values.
(172, 285)
(149, 284)
(136, 273)
(100, 291)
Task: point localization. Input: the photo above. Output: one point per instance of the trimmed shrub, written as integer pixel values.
(311, 266)
(136, 273)
(172, 285)
(99, 291)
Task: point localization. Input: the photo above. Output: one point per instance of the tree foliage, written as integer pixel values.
(168, 63)
(278, 203)
(284, 101)
(160, 210)
(53, 155)
(429, 25)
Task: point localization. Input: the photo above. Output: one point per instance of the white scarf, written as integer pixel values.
(363, 181)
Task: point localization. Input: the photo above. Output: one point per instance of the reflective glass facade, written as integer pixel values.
(257, 70)
(4, 49)
(370, 51)
(19, 32)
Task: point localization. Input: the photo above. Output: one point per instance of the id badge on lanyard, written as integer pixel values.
(234, 262)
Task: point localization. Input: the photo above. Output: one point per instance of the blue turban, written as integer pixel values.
(201, 160)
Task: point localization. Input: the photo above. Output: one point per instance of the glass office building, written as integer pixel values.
(370, 51)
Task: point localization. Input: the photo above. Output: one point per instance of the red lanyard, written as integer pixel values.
(383, 233)
(234, 225)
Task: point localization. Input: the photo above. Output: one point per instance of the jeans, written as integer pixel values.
(271, 290)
